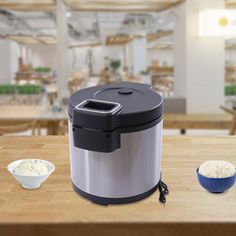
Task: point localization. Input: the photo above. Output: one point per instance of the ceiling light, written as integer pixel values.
(217, 23)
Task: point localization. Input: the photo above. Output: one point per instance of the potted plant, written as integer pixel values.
(230, 92)
(115, 65)
(145, 77)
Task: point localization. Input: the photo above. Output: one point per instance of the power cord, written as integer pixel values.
(163, 189)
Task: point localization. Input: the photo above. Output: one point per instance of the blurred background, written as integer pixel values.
(185, 49)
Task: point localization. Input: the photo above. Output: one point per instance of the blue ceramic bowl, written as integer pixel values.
(216, 185)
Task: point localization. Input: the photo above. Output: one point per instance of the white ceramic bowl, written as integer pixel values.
(30, 182)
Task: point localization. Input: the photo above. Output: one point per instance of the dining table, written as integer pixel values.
(56, 209)
(231, 111)
(43, 116)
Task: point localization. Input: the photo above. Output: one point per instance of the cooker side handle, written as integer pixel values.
(96, 140)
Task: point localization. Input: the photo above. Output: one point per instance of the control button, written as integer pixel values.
(125, 91)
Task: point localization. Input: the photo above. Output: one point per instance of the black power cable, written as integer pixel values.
(163, 189)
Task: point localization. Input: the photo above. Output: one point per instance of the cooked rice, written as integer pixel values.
(217, 169)
(31, 167)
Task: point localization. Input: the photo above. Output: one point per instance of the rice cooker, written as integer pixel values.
(115, 139)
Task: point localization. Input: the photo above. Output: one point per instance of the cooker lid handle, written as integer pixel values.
(96, 115)
(99, 106)
(94, 125)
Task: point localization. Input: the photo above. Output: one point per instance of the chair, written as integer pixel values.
(164, 85)
(133, 78)
(75, 84)
(63, 128)
(104, 77)
(52, 96)
(13, 128)
(77, 80)
(232, 112)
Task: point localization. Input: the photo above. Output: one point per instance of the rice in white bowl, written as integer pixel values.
(217, 169)
(31, 167)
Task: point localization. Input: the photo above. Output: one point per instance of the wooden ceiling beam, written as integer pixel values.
(28, 7)
(23, 39)
(124, 4)
(162, 46)
(46, 39)
(231, 4)
(112, 39)
(117, 9)
(84, 45)
(121, 6)
(230, 47)
(159, 34)
(118, 40)
(92, 5)
(130, 2)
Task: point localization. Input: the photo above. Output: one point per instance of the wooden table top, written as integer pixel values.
(56, 209)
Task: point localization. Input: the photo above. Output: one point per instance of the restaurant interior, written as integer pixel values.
(183, 49)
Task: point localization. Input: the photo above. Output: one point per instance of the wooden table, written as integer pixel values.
(55, 209)
(231, 112)
(197, 121)
(45, 119)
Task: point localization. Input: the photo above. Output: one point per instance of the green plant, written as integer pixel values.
(115, 64)
(20, 89)
(7, 89)
(42, 69)
(230, 90)
(144, 72)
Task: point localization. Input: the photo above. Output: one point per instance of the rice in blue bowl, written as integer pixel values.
(216, 176)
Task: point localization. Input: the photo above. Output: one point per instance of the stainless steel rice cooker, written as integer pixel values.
(115, 136)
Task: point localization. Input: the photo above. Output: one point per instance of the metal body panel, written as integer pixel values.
(131, 170)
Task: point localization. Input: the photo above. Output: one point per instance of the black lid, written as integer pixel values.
(124, 105)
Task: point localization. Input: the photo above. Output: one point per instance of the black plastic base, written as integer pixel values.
(217, 192)
(107, 201)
